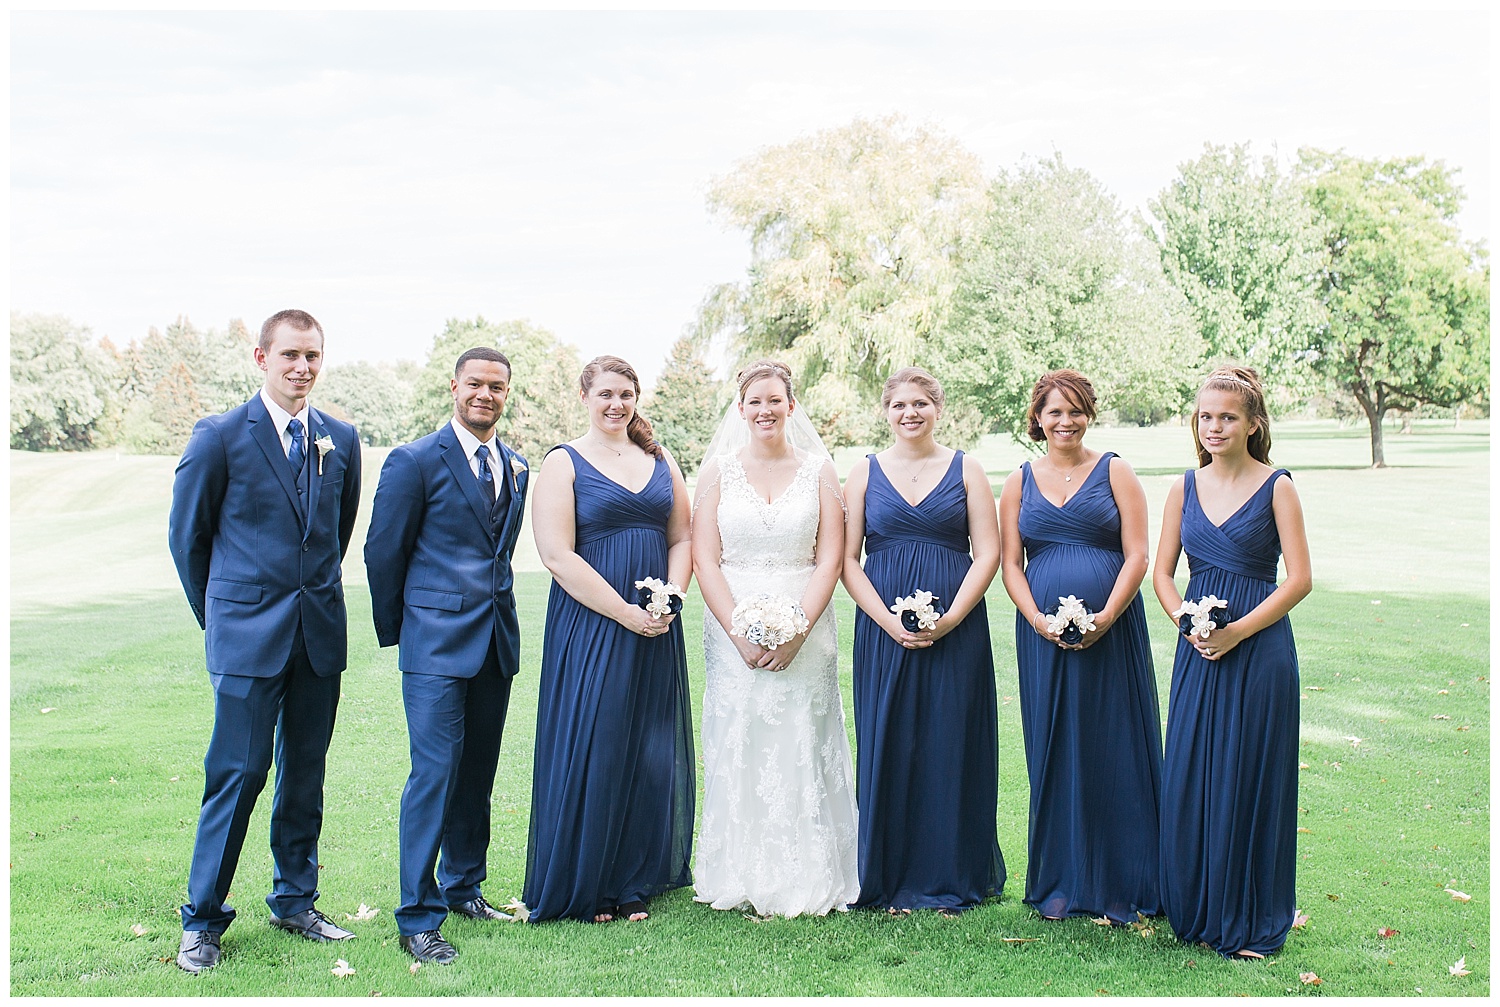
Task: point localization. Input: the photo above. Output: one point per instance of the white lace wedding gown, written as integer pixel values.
(779, 829)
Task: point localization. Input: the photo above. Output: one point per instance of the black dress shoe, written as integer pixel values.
(430, 947)
(199, 951)
(313, 925)
(478, 909)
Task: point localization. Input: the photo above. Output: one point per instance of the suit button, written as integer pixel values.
(302, 589)
(306, 546)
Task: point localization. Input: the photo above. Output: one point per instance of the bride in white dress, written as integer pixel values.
(779, 831)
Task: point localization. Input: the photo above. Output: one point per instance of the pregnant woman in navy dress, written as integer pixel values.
(1075, 524)
(1229, 786)
(612, 790)
(924, 701)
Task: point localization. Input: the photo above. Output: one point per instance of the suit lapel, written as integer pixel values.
(264, 433)
(453, 454)
(314, 477)
(517, 498)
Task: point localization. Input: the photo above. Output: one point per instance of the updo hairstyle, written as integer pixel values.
(918, 376)
(1076, 388)
(639, 429)
(753, 372)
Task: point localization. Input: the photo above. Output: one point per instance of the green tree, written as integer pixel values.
(854, 234)
(1407, 300)
(543, 408)
(375, 397)
(685, 405)
(1241, 245)
(183, 368)
(61, 384)
(1057, 279)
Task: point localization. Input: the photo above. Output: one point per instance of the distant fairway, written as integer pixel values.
(1394, 647)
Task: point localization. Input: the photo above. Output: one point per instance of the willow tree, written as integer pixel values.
(1407, 299)
(854, 235)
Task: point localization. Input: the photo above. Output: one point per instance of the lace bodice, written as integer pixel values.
(779, 534)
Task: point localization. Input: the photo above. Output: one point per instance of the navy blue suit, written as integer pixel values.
(259, 549)
(437, 558)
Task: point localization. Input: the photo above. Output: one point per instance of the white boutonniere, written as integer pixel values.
(324, 444)
(516, 468)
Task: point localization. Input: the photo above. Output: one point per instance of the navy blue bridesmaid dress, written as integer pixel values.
(1090, 718)
(925, 720)
(613, 786)
(1229, 786)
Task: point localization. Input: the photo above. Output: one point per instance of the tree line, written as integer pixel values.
(1344, 281)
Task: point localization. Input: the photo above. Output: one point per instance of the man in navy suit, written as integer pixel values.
(437, 556)
(263, 506)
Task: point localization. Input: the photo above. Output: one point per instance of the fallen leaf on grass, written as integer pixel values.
(412, 968)
(172, 780)
(1303, 765)
(1353, 741)
(1442, 692)
(1309, 979)
(1387, 932)
(49, 709)
(363, 913)
(518, 911)
(1463, 728)
(1103, 921)
(1457, 895)
(1373, 601)
(1303, 828)
(138, 930)
(1441, 716)
(1314, 688)
(1331, 897)
(113, 780)
(1299, 918)
(1143, 926)
(1457, 968)
(1018, 940)
(342, 968)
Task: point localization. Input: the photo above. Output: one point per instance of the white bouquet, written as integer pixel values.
(918, 611)
(768, 620)
(1070, 620)
(1197, 618)
(659, 597)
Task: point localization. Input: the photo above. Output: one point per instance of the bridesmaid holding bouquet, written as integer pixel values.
(1073, 526)
(924, 692)
(1229, 785)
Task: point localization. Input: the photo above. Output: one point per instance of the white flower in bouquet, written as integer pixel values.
(1198, 618)
(658, 597)
(923, 609)
(768, 620)
(1071, 620)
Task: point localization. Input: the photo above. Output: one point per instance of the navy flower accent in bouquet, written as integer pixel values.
(1200, 618)
(1069, 620)
(919, 611)
(658, 597)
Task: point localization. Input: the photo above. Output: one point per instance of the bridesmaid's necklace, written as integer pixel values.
(618, 454)
(1066, 478)
(922, 468)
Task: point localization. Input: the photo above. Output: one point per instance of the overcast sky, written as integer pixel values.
(388, 171)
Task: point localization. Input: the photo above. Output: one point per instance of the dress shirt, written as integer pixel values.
(469, 443)
(282, 419)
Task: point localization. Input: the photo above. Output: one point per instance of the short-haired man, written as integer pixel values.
(263, 507)
(437, 556)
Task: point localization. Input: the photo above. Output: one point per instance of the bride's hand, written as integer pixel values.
(781, 657)
(751, 653)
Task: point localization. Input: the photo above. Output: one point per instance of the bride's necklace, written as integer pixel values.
(769, 463)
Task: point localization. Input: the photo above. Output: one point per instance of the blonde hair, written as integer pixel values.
(918, 376)
(1244, 382)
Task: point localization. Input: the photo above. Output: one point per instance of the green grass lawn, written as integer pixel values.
(105, 785)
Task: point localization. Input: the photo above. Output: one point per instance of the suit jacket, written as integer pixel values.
(439, 569)
(252, 565)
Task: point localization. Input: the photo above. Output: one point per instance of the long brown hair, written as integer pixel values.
(639, 429)
(1077, 389)
(1244, 382)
